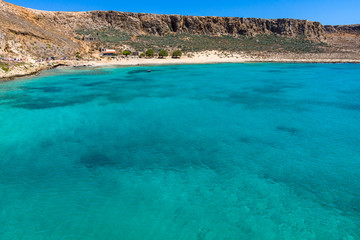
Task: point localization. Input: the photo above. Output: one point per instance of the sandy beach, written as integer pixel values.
(216, 57)
(209, 57)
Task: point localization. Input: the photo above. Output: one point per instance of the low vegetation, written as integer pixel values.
(78, 56)
(195, 43)
(106, 35)
(126, 53)
(177, 54)
(163, 53)
(149, 53)
(4, 66)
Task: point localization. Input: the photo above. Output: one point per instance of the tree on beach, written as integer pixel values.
(126, 53)
(150, 53)
(163, 53)
(177, 54)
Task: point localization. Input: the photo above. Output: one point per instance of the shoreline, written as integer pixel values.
(202, 58)
(29, 73)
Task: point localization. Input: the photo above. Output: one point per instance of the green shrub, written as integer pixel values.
(150, 53)
(4, 66)
(78, 55)
(126, 53)
(163, 53)
(177, 54)
(142, 55)
(5, 69)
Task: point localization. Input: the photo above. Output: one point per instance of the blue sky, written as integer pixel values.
(325, 11)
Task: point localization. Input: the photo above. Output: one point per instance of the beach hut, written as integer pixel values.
(108, 52)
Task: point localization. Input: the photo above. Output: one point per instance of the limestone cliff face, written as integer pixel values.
(350, 29)
(2, 42)
(42, 33)
(140, 23)
(164, 24)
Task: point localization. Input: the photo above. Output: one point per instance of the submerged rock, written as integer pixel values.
(96, 159)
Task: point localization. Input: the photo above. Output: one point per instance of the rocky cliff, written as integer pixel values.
(2, 42)
(28, 32)
(140, 23)
(45, 33)
(350, 29)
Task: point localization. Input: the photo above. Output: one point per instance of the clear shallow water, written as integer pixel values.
(229, 151)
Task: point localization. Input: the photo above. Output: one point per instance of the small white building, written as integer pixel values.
(107, 52)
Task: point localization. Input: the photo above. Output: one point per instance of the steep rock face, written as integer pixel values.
(45, 33)
(351, 29)
(140, 23)
(2, 41)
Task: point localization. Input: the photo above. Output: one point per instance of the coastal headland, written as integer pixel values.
(34, 40)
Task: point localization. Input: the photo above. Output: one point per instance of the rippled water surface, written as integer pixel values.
(227, 151)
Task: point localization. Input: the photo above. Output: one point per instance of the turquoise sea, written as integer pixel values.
(225, 151)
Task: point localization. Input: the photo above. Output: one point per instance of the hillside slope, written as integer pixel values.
(28, 32)
(22, 33)
(39, 34)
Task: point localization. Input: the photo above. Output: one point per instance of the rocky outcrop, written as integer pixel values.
(350, 29)
(2, 42)
(141, 23)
